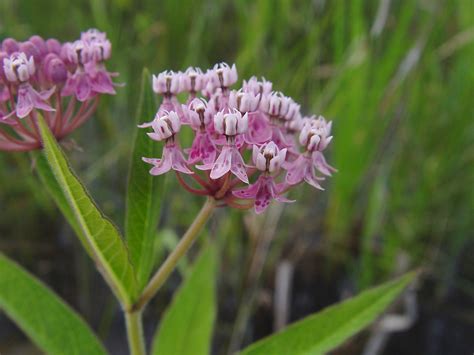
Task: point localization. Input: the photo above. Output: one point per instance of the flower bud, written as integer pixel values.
(10, 46)
(18, 67)
(231, 124)
(39, 44)
(54, 69)
(54, 46)
(268, 157)
(165, 126)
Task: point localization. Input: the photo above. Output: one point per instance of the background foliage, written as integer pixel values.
(397, 80)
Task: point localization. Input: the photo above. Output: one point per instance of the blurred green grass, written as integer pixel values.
(397, 81)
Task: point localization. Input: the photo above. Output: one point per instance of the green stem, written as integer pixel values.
(170, 263)
(135, 337)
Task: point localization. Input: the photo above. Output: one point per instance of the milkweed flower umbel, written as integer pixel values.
(63, 81)
(250, 146)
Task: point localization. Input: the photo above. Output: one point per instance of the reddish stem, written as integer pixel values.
(189, 188)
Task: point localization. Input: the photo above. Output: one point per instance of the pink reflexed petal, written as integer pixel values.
(222, 164)
(24, 104)
(205, 166)
(70, 86)
(202, 149)
(161, 166)
(278, 190)
(250, 192)
(321, 164)
(38, 100)
(259, 130)
(45, 95)
(265, 194)
(238, 166)
(101, 83)
(83, 88)
(296, 170)
(311, 178)
(279, 138)
(178, 161)
(154, 136)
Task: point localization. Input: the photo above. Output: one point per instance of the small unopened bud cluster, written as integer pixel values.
(250, 145)
(64, 80)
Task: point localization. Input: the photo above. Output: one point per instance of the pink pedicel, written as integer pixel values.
(249, 146)
(63, 81)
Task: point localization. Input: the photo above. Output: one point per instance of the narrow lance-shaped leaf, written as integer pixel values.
(108, 248)
(48, 179)
(187, 325)
(51, 324)
(326, 330)
(144, 192)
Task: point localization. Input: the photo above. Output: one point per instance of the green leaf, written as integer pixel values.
(47, 178)
(50, 323)
(186, 327)
(145, 192)
(326, 330)
(103, 238)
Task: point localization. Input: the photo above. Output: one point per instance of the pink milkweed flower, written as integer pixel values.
(29, 99)
(276, 105)
(193, 80)
(168, 83)
(199, 116)
(259, 130)
(165, 127)
(37, 74)
(268, 159)
(90, 77)
(315, 138)
(255, 86)
(221, 76)
(244, 101)
(230, 125)
(19, 69)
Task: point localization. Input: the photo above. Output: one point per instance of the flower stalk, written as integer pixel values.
(172, 260)
(135, 336)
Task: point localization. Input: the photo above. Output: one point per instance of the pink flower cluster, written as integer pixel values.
(252, 133)
(64, 80)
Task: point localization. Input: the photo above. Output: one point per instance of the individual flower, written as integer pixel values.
(168, 83)
(87, 56)
(221, 76)
(314, 137)
(199, 117)
(19, 69)
(193, 80)
(230, 125)
(268, 159)
(165, 127)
